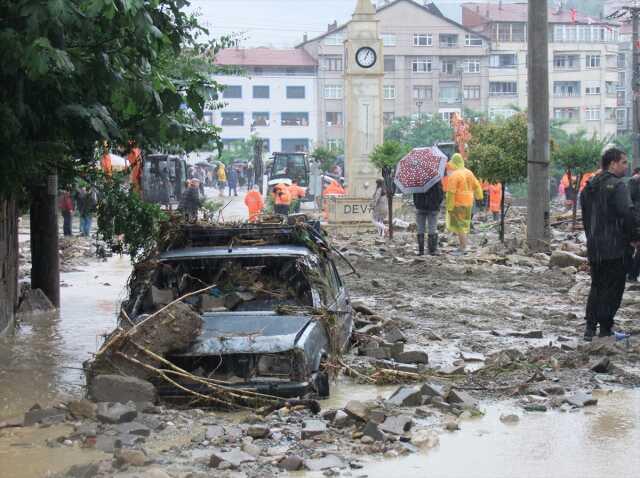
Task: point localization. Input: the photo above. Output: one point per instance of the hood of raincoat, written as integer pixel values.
(456, 161)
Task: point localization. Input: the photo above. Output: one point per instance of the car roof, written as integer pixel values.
(274, 250)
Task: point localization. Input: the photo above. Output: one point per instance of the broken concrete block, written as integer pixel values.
(397, 425)
(319, 464)
(394, 334)
(406, 397)
(45, 416)
(235, 457)
(312, 428)
(82, 409)
(432, 389)
(413, 356)
(116, 412)
(357, 410)
(34, 301)
(371, 430)
(461, 399)
(602, 365)
(118, 388)
(341, 419)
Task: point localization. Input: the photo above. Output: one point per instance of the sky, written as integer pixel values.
(281, 23)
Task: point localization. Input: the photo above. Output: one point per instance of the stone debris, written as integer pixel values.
(34, 302)
(325, 463)
(235, 457)
(406, 396)
(44, 416)
(122, 389)
(563, 259)
(116, 412)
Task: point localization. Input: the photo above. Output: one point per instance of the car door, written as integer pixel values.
(342, 306)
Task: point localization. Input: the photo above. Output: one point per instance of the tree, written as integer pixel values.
(498, 154)
(577, 156)
(325, 158)
(418, 133)
(385, 157)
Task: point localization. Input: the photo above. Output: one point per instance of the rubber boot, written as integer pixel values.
(433, 244)
(421, 244)
(589, 331)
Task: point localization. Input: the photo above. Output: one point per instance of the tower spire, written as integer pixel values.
(364, 8)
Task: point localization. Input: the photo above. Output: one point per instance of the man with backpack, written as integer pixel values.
(427, 208)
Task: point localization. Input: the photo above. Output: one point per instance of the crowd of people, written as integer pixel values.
(82, 200)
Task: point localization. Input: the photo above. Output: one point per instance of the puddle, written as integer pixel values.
(591, 443)
(42, 360)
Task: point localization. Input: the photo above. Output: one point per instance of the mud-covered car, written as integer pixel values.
(274, 310)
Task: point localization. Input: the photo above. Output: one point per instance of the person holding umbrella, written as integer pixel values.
(462, 188)
(420, 173)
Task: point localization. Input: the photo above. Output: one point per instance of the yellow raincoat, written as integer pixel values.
(462, 189)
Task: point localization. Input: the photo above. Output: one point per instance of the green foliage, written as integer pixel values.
(79, 71)
(325, 157)
(498, 150)
(241, 151)
(578, 154)
(388, 154)
(123, 217)
(417, 133)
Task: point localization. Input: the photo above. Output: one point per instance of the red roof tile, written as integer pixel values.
(264, 57)
(517, 12)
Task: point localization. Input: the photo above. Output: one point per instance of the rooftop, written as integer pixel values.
(517, 12)
(264, 57)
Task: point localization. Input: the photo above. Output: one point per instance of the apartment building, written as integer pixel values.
(273, 97)
(583, 69)
(433, 66)
(625, 79)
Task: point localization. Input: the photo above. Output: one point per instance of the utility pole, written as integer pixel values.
(538, 140)
(633, 11)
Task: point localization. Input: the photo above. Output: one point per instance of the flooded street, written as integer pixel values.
(43, 357)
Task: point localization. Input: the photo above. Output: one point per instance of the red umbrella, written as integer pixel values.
(420, 170)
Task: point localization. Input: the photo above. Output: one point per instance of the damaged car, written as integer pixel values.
(273, 306)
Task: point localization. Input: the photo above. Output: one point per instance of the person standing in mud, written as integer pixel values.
(610, 226)
(190, 201)
(65, 204)
(380, 207)
(427, 208)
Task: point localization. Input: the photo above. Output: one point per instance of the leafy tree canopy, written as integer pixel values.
(417, 133)
(75, 72)
(498, 150)
(388, 154)
(579, 154)
(325, 157)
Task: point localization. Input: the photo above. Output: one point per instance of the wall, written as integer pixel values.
(8, 262)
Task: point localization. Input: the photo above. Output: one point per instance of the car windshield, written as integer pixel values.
(244, 284)
(291, 166)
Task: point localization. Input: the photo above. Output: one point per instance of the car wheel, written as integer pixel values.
(321, 384)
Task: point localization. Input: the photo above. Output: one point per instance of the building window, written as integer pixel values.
(232, 91)
(295, 92)
(505, 60)
(388, 39)
(333, 118)
(232, 119)
(389, 92)
(622, 98)
(336, 145)
(295, 145)
(447, 116)
(421, 64)
(294, 119)
(503, 88)
(448, 67)
(509, 32)
(261, 92)
(473, 40)
(422, 93)
(449, 93)
(335, 39)
(387, 118)
(566, 62)
(566, 88)
(593, 61)
(332, 63)
(471, 92)
(496, 113)
(610, 88)
(333, 92)
(422, 39)
(622, 78)
(448, 40)
(260, 119)
(571, 115)
(232, 144)
(471, 65)
(592, 114)
(622, 60)
(592, 90)
(610, 115)
(389, 63)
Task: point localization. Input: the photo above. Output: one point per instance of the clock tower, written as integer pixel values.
(364, 74)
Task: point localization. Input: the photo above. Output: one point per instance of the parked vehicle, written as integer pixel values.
(163, 179)
(291, 166)
(263, 327)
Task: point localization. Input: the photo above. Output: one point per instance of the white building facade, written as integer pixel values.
(273, 97)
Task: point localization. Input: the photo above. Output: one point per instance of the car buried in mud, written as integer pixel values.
(275, 310)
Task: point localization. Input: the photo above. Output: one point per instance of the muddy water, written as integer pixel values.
(592, 443)
(41, 361)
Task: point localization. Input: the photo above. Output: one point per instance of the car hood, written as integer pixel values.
(247, 333)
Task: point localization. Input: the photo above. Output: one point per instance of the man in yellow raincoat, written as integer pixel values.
(462, 189)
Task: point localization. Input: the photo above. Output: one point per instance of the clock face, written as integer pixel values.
(366, 57)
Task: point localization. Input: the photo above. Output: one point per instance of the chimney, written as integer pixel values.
(332, 26)
(305, 38)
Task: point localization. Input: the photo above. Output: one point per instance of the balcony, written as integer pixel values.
(449, 44)
(451, 100)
